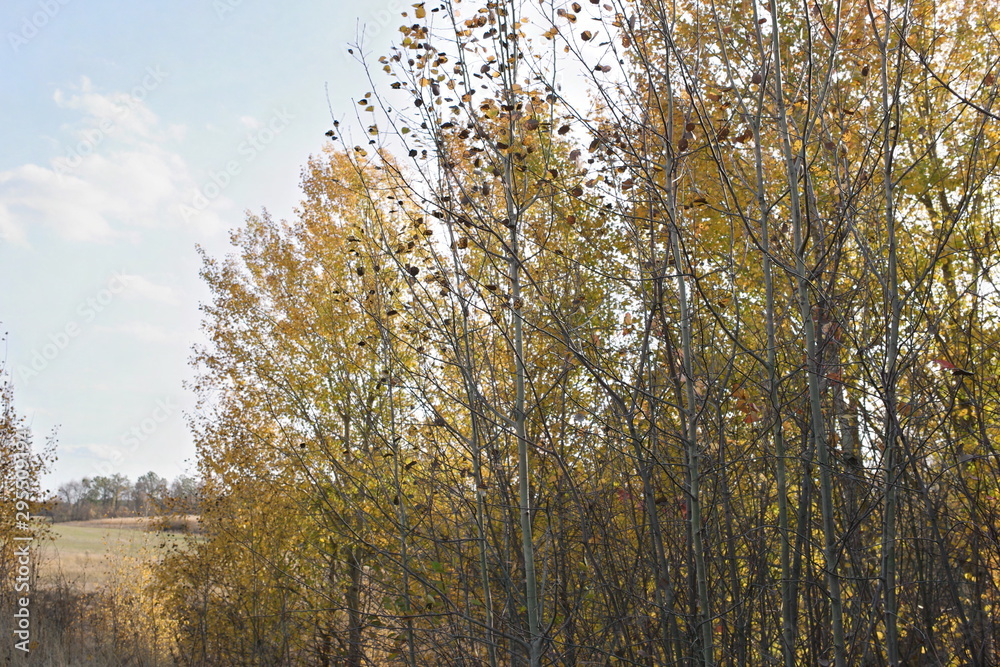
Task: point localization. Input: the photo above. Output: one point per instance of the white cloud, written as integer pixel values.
(115, 174)
(71, 205)
(126, 114)
(144, 331)
(177, 132)
(140, 287)
(100, 451)
(10, 231)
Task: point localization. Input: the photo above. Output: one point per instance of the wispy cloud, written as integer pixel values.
(143, 331)
(96, 450)
(140, 287)
(250, 122)
(113, 175)
(127, 111)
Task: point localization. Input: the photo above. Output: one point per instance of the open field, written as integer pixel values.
(86, 553)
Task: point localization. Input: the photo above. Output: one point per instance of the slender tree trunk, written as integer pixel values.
(520, 417)
(355, 654)
(690, 421)
(788, 586)
(892, 305)
(793, 166)
(481, 518)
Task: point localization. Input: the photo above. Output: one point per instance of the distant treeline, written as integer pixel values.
(116, 496)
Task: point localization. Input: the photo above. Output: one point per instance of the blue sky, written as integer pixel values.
(134, 131)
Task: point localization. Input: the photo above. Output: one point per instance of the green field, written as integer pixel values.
(86, 554)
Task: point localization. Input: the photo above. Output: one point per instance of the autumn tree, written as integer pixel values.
(695, 367)
(22, 464)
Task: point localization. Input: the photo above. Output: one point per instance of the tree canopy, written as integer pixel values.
(626, 333)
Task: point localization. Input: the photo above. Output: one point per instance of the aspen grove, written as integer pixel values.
(617, 333)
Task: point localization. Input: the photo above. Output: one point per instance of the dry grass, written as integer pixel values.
(83, 554)
(92, 603)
